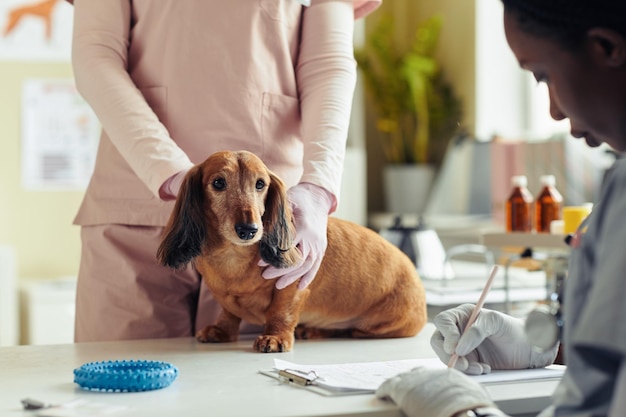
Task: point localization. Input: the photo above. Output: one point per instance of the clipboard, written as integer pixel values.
(344, 378)
(365, 378)
(311, 383)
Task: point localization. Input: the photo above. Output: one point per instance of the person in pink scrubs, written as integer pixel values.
(173, 81)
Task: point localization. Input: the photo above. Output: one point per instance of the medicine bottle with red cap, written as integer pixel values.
(518, 207)
(547, 204)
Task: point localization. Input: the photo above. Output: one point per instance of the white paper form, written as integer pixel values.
(60, 135)
(366, 377)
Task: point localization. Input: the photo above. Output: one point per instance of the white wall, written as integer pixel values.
(509, 102)
(500, 83)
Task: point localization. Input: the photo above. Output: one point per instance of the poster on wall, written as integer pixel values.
(35, 30)
(60, 136)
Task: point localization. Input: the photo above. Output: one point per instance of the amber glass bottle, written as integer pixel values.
(547, 204)
(518, 206)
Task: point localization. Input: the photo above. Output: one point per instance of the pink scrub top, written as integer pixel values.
(173, 81)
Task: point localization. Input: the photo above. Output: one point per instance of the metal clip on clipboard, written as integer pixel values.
(296, 377)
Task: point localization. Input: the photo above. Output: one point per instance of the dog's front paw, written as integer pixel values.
(268, 343)
(213, 334)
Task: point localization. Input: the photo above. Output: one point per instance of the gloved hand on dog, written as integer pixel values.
(311, 205)
(425, 392)
(495, 341)
(170, 188)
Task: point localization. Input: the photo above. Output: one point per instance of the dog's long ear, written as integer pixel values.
(185, 232)
(276, 245)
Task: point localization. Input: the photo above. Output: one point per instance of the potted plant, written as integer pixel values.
(417, 110)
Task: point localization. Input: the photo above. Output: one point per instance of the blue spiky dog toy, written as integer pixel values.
(125, 376)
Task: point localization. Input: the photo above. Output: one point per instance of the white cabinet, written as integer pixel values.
(8, 297)
(47, 311)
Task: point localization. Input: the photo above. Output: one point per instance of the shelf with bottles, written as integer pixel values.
(524, 239)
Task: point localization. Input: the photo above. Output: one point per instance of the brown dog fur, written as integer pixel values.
(365, 287)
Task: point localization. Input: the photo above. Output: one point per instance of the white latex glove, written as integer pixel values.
(170, 188)
(495, 341)
(311, 205)
(425, 392)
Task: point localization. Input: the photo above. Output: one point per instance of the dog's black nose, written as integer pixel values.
(246, 231)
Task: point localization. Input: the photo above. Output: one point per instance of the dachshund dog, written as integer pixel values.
(232, 211)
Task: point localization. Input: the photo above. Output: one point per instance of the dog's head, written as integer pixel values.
(231, 198)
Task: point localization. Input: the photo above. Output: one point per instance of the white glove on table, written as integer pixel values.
(425, 392)
(495, 341)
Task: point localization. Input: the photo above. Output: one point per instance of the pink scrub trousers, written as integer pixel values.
(123, 293)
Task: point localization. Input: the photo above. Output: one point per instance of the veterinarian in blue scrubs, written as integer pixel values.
(578, 48)
(173, 81)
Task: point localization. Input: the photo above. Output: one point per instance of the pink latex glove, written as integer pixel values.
(170, 188)
(311, 205)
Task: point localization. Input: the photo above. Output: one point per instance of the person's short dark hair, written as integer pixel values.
(567, 21)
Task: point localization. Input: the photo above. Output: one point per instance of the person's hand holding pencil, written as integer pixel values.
(476, 310)
(490, 339)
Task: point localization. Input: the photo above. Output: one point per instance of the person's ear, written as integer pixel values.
(608, 47)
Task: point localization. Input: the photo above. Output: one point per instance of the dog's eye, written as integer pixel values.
(260, 184)
(219, 184)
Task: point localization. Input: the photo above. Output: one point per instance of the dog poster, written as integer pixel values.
(35, 30)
